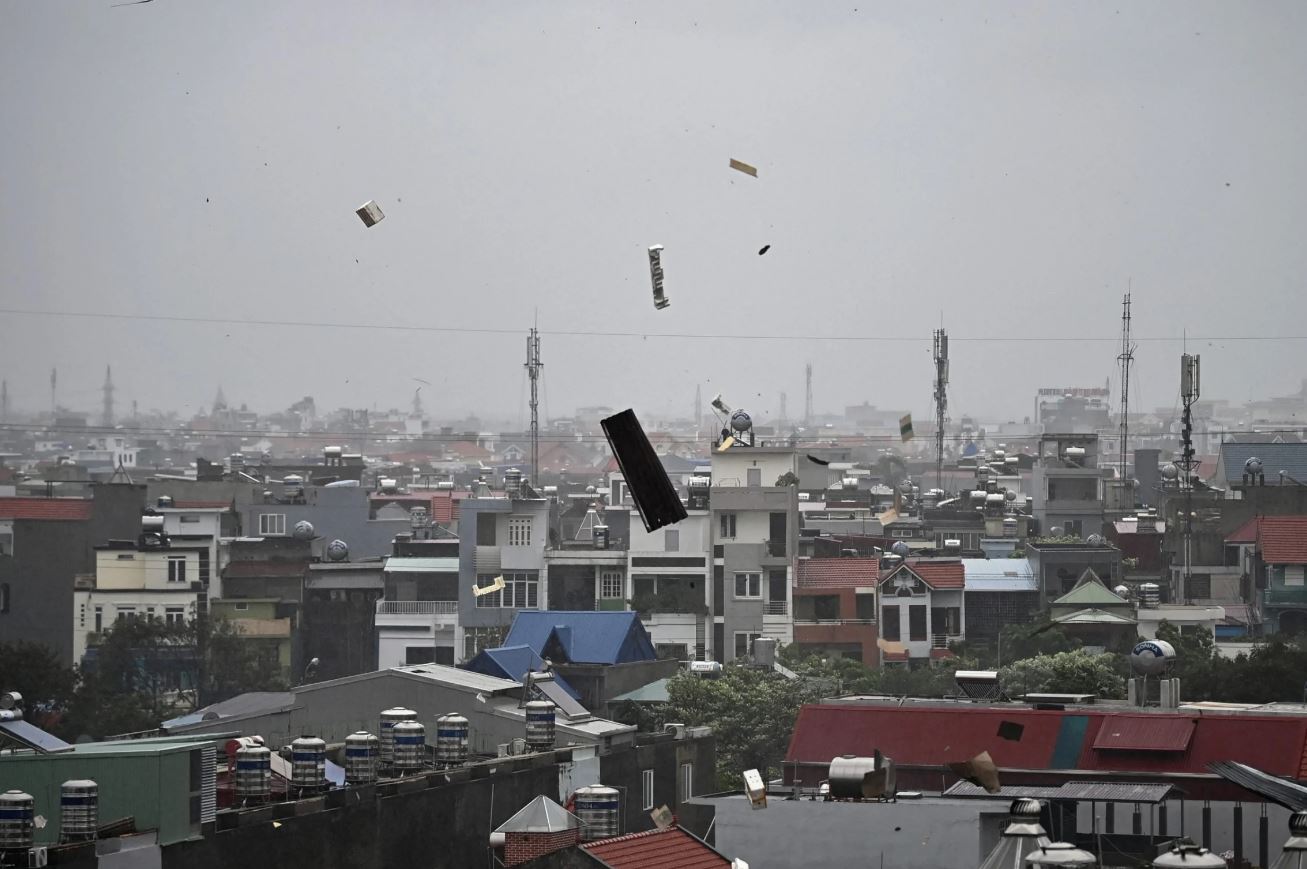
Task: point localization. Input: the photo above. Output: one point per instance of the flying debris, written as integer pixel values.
(743, 167)
(817, 461)
(139, 2)
(655, 496)
(762, 250)
(497, 585)
(905, 427)
(662, 817)
(980, 771)
(370, 213)
(656, 274)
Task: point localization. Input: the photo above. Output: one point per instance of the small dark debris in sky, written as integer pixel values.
(1227, 184)
(764, 249)
(897, 829)
(133, 3)
(206, 199)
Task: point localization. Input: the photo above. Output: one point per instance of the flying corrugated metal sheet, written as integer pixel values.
(1286, 793)
(1144, 733)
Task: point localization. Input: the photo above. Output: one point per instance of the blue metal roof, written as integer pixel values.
(513, 662)
(583, 637)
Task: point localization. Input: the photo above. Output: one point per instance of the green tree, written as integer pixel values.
(1077, 672)
(34, 670)
(229, 664)
(892, 469)
(789, 478)
(751, 711)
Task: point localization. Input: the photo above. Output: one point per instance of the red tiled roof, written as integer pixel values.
(237, 569)
(51, 509)
(838, 572)
(201, 505)
(1284, 539)
(672, 848)
(1247, 532)
(1145, 733)
(945, 573)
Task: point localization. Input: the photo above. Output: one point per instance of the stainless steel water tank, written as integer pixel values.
(308, 764)
(79, 810)
(846, 776)
(253, 773)
(17, 813)
(539, 725)
(599, 809)
(451, 739)
(362, 751)
(389, 718)
(410, 746)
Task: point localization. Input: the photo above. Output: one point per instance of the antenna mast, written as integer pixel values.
(941, 401)
(107, 389)
(54, 404)
(1189, 392)
(807, 401)
(4, 401)
(533, 366)
(1126, 358)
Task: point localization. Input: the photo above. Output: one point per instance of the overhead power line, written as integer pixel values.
(597, 333)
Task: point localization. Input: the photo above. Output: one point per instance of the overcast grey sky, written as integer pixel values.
(1007, 166)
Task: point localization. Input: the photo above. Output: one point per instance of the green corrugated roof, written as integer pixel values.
(1091, 616)
(1090, 592)
(654, 692)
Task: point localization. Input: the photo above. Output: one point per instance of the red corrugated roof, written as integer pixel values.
(944, 573)
(1144, 733)
(1284, 539)
(239, 569)
(1247, 532)
(201, 505)
(672, 848)
(838, 572)
(51, 509)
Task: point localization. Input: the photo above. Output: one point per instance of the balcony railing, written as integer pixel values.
(417, 607)
(1286, 595)
(803, 620)
(776, 548)
(941, 641)
(775, 608)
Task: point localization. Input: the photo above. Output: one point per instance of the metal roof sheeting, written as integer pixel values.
(1144, 733)
(584, 637)
(421, 565)
(671, 848)
(1102, 792)
(49, 509)
(1286, 793)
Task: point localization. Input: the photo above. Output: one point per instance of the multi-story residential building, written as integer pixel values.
(753, 532)
(340, 615)
(922, 608)
(417, 618)
(1067, 485)
(501, 535)
(1059, 566)
(998, 592)
(261, 624)
(1276, 562)
(202, 524)
(142, 579)
(44, 544)
(835, 607)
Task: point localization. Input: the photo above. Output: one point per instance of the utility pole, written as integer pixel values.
(1126, 357)
(107, 413)
(533, 366)
(54, 404)
(807, 402)
(1189, 392)
(941, 402)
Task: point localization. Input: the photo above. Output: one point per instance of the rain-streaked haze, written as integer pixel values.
(1005, 169)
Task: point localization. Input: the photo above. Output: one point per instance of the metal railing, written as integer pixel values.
(417, 607)
(775, 548)
(775, 608)
(941, 641)
(801, 620)
(1281, 595)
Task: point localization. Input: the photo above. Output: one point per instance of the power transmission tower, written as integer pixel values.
(1189, 392)
(533, 366)
(807, 401)
(1126, 358)
(941, 402)
(107, 389)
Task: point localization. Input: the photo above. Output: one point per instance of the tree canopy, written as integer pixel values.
(1075, 672)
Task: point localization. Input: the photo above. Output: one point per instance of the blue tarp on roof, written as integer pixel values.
(513, 662)
(583, 637)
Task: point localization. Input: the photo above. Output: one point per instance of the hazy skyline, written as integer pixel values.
(1005, 169)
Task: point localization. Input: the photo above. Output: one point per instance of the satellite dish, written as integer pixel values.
(741, 421)
(1055, 531)
(303, 530)
(337, 550)
(1170, 472)
(1253, 465)
(1151, 657)
(1121, 591)
(901, 549)
(1010, 495)
(1095, 540)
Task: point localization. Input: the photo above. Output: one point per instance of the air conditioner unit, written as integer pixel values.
(677, 730)
(37, 858)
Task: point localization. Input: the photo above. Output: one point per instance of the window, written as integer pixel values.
(174, 616)
(671, 540)
(126, 613)
(916, 624)
(1293, 574)
(521, 591)
(866, 607)
(744, 643)
(419, 654)
(519, 531)
(753, 477)
(6, 538)
(748, 585)
(672, 651)
(728, 526)
(190, 520)
(272, 524)
(176, 568)
(240, 607)
(610, 585)
(648, 777)
(99, 619)
(946, 620)
(901, 532)
(1200, 586)
(4, 597)
(1071, 528)
(687, 781)
(889, 623)
(485, 529)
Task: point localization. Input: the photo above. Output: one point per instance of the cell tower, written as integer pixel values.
(941, 402)
(107, 389)
(1189, 392)
(533, 366)
(4, 401)
(807, 401)
(1126, 358)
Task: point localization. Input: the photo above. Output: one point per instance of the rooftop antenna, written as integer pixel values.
(54, 382)
(417, 403)
(784, 414)
(807, 401)
(533, 366)
(941, 402)
(107, 389)
(1126, 357)
(4, 401)
(1189, 392)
